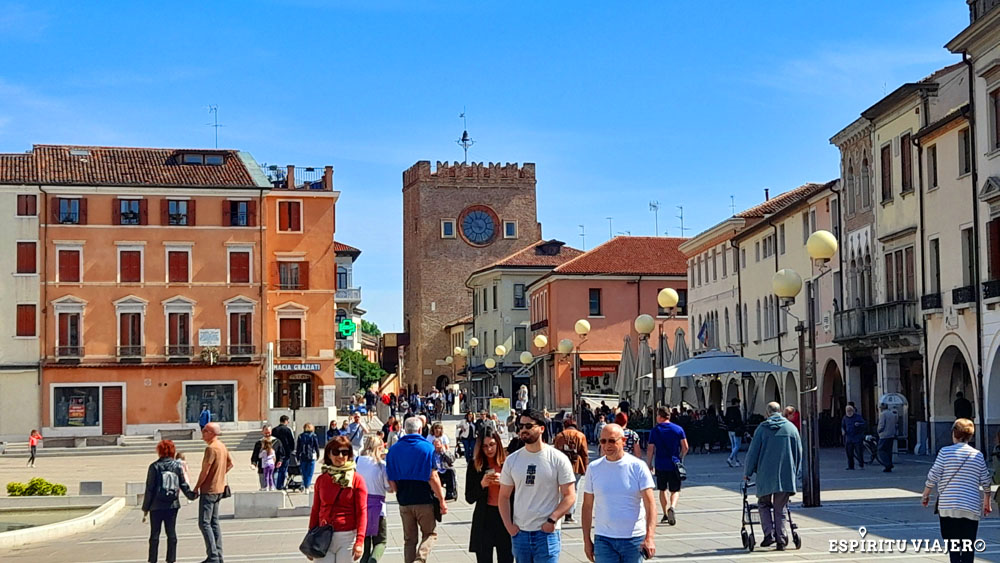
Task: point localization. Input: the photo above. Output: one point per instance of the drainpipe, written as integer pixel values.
(266, 398)
(975, 256)
(923, 269)
(45, 296)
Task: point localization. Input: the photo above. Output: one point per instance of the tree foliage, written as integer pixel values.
(356, 364)
(370, 328)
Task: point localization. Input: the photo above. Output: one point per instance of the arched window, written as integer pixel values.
(746, 326)
(725, 314)
(850, 189)
(759, 332)
(866, 197)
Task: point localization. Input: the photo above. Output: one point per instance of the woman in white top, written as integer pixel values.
(437, 432)
(962, 480)
(371, 467)
(522, 398)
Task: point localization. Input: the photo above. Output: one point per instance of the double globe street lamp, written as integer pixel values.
(667, 299)
(786, 284)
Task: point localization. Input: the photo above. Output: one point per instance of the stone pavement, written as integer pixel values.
(708, 527)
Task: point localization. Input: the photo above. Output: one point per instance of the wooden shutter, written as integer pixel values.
(290, 329)
(177, 262)
(234, 329)
(295, 220)
(164, 212)
(303, 275)
(172, 319)
(64, 330)
(191, 219)
(890, 295)
(143, 212)
(54, 201)
(21, 205)
(227, 215)
(26, 258)
(26, 320)
(239, 267)
(83, 211)
(283, 207)
(252, 213)
(116, 211)
(993, 227)
(69, 265)
(123, 333)
(130, 266)
(911, 282)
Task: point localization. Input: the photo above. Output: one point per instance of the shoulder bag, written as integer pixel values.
(317, 541)
(941, 488)
(681, 470)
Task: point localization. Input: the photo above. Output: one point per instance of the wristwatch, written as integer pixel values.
(550, 521)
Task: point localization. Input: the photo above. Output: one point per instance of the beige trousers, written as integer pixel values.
(418, 516)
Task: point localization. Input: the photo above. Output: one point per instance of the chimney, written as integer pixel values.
(328, 178)
(767, 194)
(290, 177)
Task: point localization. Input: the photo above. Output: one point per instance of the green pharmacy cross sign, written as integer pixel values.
(347, 328)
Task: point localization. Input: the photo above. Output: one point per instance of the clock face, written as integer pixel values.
(479, 225)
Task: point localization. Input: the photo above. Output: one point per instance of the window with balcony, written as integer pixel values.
(27, 262)
(70, 211)
(519, 299)
(595, 302)
(68, 344)
(290, 216)
(293, 275)
(290, 342)
(128, 212)
(26, 321)
(240, 329)
(27, 205)
(130, 335)
(239, 266)
(179, 335)
(177, 212)
(129, 266)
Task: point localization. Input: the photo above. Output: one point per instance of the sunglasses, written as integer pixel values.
(345, 453)
(527, 425)
(609, 440)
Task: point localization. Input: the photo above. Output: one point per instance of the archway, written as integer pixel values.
(834, 397)
(715, 394)
(791, 391)
(951, 376)
(732, 390)
(771, 391)
(751, 396)
(993, 399)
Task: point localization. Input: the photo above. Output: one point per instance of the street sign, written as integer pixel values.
(297, 367)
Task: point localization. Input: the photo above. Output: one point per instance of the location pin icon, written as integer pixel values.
(863, 531)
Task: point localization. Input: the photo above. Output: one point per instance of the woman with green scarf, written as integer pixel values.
(341, 501)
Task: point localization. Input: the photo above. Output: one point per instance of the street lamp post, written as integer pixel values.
(787, 284)
(668, 299)
(582, 329)
(644, 325)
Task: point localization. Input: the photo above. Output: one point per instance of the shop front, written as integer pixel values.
(598, 373)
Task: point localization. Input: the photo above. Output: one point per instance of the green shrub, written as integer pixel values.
(37, 487)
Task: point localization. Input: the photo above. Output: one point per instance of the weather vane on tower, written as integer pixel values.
(465, 142)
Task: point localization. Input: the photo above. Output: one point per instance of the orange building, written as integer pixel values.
(167, 276)
(609, 286)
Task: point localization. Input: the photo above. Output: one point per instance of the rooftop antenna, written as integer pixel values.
(214, 109)
(732, 205)
(465, 142)
(610, 233)
(654, 206)
(681, 217)
(583, 237)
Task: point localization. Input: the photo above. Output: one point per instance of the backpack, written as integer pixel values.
(571, 448)
(170, 484)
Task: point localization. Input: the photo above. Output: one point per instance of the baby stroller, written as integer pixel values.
(751, 517)
(294, 480)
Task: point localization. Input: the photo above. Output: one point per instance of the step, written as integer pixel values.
(234, 441)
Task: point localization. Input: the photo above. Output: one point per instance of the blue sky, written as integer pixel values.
(618, 104)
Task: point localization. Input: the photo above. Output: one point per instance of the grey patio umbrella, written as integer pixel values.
(643, 373)
(662, 361)
(626, 370)
(678, 385)
(715, 362)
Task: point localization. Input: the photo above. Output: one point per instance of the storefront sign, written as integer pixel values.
(77, 411)
(209, 337)
(297, 367)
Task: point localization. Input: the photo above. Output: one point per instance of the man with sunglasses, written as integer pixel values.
(546, 490)
(619, 488)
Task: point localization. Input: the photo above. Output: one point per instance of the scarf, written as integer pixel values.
(343, 475)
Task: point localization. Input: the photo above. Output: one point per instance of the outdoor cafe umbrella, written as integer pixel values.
(626, 370)
(643, 373)
(715, 362)
(678, 384)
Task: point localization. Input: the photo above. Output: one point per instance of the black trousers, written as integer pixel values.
(960, 529)
(854, 451)
(166, 519)
(450, 486)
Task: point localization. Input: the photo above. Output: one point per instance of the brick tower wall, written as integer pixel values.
(435, 269)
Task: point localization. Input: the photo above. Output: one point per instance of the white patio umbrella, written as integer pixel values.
(626, 370)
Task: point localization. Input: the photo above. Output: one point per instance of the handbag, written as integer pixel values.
(681, 470)
(226, 492)
(938, 497)
(317, 541)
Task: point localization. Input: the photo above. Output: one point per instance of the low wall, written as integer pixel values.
(49, 532)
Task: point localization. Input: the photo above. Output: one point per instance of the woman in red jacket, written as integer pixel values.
(341, 500)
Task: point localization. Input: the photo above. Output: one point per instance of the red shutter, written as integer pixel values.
(303, 275)
(26, 258)
(164, 212)
(64, 330)
(69, 265)
(54, 201)
(21, 205)
(227, 216)
(26, 320)
(123, 333)
(143, 212)
(130, 266)
(289, 329)
(31, 205)
(83, 211)
(252, 213)
(116, 212)
(993, 228)
(172, 329)
(177, 262)
(295, 222)
(234, 329)
(191, 220)
(239, 267)
(283, 207)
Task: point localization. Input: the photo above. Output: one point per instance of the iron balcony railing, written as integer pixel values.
(966, 294)
(240, 350)
(930, 301)
(180, 350)
(291, 348)
(69, 351)
(991, 289)
(131, 351)
(876, 320)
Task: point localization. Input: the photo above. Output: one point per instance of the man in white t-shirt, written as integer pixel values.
(546, 490)
(620, 487)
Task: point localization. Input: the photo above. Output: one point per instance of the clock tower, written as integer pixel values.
(457, 218)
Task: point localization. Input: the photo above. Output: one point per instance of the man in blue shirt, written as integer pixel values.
(410, 468)
(853, 428)
(669, 445)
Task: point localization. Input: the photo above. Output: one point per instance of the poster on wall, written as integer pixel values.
(77, 411)
(501, 408)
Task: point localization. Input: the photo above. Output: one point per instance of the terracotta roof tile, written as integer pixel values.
(781, 201)
(16, 169)
(653, 256)
(341, 247)
(544, 253)
(125, 166)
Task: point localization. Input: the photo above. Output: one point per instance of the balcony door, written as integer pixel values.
(130, 334)
(290, 343)
(69, 335)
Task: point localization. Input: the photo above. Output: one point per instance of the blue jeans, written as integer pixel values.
(280, 474)
(306, 469)
(470, 446)
(734, 443)
(536, 547)
(615, 550)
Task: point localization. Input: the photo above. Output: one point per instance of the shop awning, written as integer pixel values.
(609, 358)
